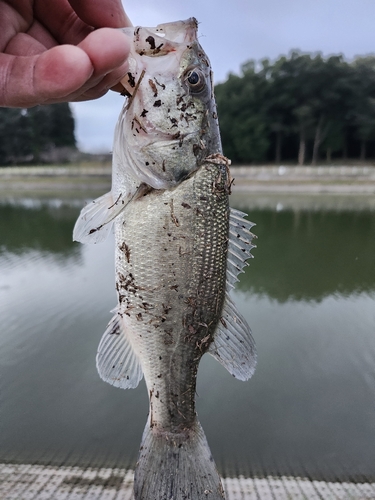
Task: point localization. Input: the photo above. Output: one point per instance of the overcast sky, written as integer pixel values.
(235, 31)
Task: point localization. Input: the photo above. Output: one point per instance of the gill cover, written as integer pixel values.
(168, 122)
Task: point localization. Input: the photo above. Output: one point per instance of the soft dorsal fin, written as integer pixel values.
(116, 361)
(239, 245)
(96, 218)
(233, 345)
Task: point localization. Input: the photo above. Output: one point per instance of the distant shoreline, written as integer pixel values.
(356, 180)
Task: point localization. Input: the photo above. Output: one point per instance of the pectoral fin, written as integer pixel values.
(95, 220)
(233, 345)
(116, 360)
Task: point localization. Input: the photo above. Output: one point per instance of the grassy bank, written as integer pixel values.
(340, 179)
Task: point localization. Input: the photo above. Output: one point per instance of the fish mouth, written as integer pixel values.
(164, 38)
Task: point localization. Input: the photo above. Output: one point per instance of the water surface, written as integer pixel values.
(309, 296)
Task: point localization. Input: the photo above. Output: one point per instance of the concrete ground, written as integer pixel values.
(34, 482)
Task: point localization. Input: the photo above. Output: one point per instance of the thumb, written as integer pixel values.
(51, 75)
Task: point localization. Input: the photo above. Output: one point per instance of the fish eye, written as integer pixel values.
(195, 80)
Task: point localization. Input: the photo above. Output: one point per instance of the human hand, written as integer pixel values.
(52, 51)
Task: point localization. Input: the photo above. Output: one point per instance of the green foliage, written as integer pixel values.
(299, 106)
(25, 134)
(242, 120)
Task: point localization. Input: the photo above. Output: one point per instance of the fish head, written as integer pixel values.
(169, 122)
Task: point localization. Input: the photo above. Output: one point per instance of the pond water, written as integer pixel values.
(309, 296)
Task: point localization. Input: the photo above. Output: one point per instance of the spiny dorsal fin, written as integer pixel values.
(116, 361)
(233, 345)
(239, 245)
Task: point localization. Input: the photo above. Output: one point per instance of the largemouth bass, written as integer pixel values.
(179, 249)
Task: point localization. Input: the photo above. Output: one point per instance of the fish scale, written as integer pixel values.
(173, 302)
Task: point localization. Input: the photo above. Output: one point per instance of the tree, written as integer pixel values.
(311, 103)
(242, 118)
(362, 105)
(333, 92)
(26, 133)
(279, 102)
(15, 135)
(290, 108)
(334, 139)
(62, 126)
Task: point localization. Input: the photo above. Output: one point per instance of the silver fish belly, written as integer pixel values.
(178, 251)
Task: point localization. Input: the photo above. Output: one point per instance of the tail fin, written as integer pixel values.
(176, 467)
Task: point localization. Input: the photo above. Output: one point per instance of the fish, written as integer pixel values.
(179, 249)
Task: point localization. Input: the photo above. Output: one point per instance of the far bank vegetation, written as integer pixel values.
(42, 134)
(298, 109)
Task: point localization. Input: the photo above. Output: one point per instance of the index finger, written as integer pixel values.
(101, 13)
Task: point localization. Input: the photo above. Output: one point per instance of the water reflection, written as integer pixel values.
(309, 255)
(308, 296)
(39, 226)
(310, 407)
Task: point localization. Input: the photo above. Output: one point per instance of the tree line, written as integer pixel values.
(302, 107)
(28, 134)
